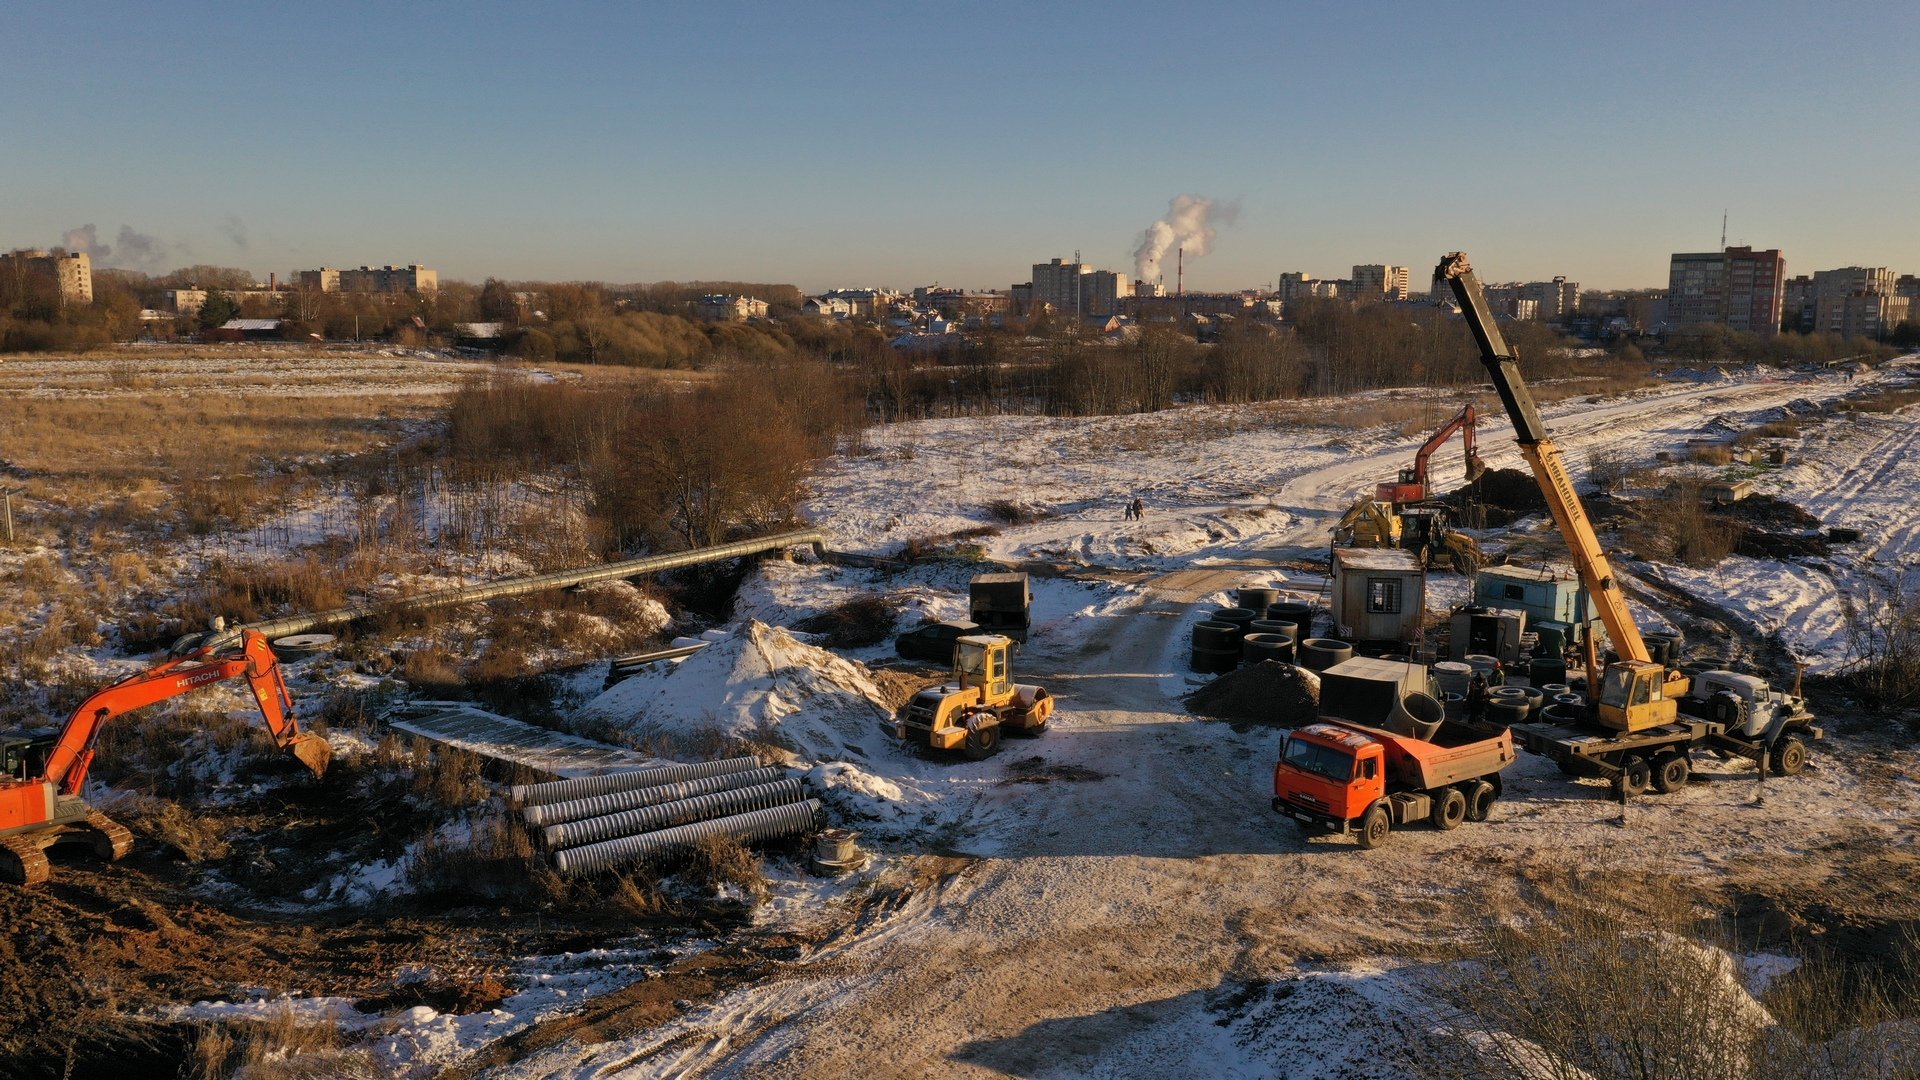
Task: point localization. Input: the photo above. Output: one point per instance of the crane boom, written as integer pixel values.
(1543, 457)
(1635, 693)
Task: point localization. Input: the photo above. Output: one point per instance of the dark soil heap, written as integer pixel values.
(1502, 496)
(1269, 692)
(1772, 528)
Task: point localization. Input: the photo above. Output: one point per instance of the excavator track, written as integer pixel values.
(22, 862)
(109, 838)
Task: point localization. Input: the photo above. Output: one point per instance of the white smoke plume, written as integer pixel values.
(136, 250)
(1188, 225)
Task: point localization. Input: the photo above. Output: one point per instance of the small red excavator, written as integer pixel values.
(40, 804)
(1412, 485)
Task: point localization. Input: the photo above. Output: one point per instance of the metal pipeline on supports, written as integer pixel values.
(602, 805)
(665, 815)
(473, 594)
(789, 820)
(585, 787)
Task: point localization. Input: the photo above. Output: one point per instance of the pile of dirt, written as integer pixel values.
(1500, 497)
(1770, 528)
(1269, 692)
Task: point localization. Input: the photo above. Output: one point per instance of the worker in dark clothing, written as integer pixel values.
(1138, 508)
(1477, 697)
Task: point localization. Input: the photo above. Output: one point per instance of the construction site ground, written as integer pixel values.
(1115, 898)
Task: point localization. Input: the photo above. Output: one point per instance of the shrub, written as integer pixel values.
(1883, 634)
(866, 619)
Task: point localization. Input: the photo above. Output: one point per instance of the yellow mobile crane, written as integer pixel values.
(1637, 704)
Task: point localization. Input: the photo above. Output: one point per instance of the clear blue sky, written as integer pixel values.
(903, 143)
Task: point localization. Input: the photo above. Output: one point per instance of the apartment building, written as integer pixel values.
(725, 307)
(374, 279)
(1074, 288)
(1739, 288)
(1375, 281)
(69, 276)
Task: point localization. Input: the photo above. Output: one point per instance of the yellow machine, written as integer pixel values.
(967, 713)
(1635, 693)
(1368, 523)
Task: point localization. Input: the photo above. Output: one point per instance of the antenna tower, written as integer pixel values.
(1723, 230)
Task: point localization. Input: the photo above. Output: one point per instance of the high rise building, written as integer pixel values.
(1696, 288)
(69, 277)
(1857, 301)
(1375, 281)
(1739, 288)
(1073, 288)
(1756, 288)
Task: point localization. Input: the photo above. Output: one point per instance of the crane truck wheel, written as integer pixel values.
(1789, 755)
(1634, 779)
(1375, 826)
(983, 741)
(1480, 796)
(1670, 772)
(1449, 809)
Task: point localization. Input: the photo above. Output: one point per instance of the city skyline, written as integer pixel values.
(858, 145)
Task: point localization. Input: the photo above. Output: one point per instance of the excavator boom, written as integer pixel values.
(1589, 558)
(72, 751)
(1413, 486)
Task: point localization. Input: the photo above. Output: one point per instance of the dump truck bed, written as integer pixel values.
(1458, 751)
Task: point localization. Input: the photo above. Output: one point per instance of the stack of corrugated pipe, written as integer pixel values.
(596, 824)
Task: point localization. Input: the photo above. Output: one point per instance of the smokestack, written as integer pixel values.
(1180, 272)
(273, 281)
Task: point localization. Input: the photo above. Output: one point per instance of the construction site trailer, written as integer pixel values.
(1379, 594)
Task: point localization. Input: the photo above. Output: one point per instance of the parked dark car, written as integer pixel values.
(932, 641)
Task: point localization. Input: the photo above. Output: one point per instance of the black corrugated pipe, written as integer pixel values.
(585, 787)
(789, 820)
(665, 815)
(614, 802)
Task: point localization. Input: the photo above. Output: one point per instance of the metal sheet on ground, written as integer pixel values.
(504, 739)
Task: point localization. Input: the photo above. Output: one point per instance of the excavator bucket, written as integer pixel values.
(1475, 468)
(311, 751)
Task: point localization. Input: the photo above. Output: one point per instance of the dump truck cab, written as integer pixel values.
(1335, 770)
(967, 712)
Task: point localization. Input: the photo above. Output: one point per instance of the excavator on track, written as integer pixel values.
(40, 801)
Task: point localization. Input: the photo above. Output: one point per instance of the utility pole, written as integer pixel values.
(6, 512)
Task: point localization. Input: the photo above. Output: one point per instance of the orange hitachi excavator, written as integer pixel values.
(40, 803)
(1412, 485)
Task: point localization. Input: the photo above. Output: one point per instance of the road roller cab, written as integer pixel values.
(967, 712)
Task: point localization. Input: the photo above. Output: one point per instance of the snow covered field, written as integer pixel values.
(1115, 898)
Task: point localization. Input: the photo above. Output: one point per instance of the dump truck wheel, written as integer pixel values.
(1670, 772)
(1480, 796)
(1789, 755)
(982, 742)
(1449, 809)
(1375, 827)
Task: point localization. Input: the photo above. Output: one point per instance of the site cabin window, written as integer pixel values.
(1515, 592)
(1383, 596)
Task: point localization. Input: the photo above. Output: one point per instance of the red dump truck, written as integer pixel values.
(1350, 778)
